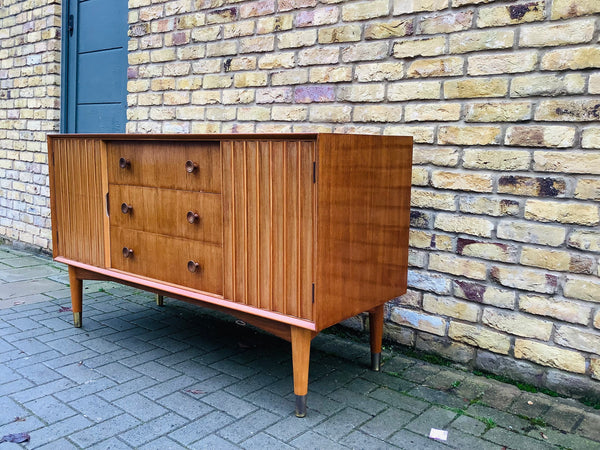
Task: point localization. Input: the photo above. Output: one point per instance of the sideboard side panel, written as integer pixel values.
(363, 190)
(78, 213)
(268, 244)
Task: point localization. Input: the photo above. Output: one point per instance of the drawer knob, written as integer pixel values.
(193, 266)
(124, 163)
(193, 217)
(125, 208)
(127, 252)
(190, 166)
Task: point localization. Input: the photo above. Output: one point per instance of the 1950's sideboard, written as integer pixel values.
(292, 233)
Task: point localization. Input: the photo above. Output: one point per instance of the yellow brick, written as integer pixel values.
(190, 113)
(207, 34)
(547, 355)
(486, 250)
(461, 181)
(473, 41)
(436, 67)
(289, 113)
(365, 51)
(257, 8)
(420, 134)
(386, 30)
(255, 113)
(595, 368)
(345, 33)
(237, 96)
(587, 189)
(585, 163)
(427, 240)
(282, 22)
(318, 56)
(435, 200)
(563, 212)
(168, 54)
(330, 74)
(531, 233)
(502, 63)
(534, 85)
(557, 308)
(498, 112)
(277, 60)
(412, 6)
(517, 324)
(250, 79)
(221, 48)
(241, 63)
(432, 112)
(546, 259)
(478, 87)
(221, 15)
(297, 76)
(362, 93)
(496, 16)
(563, 9)
(463, 224)
(379, 71)
(138, 86)
(526, 279)
(455, 265)
(590, 138)
(572, 58)
(206, 97)
(574, 32)
(207, 66)
(176, 98)
(419, 47)
(540, 136)
(221, 113)
(479, 337)
(418, 320)
(469, 135)
(446, 306)
(365, 10)
(597, 325)
(326, 113)
(420, 176)
(531, 186)
(585, 240)
(567, 110)
(446, 23)
(217, 81)
(484, 293)
(594, 83)
(441, 156)
(378, 113)
(587, 289)
(257, 44)
(488, 206)
(413, 90)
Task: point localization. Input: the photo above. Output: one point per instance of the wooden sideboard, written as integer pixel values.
(292, 233)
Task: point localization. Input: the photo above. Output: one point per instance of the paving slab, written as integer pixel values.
(138, 376)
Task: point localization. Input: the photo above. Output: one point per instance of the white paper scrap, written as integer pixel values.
(441, 435)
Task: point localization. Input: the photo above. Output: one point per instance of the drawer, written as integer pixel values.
(167, 259)
(193, 166)
(185, 214)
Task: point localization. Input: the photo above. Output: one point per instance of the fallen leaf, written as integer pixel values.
(18, 303)
(530, 402)
(16, 438)
(543, 435)
(65, 309)
(195, 391)
(19, 419)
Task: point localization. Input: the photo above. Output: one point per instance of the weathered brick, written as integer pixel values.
(282, 22)
(496, 16)
(587, 289)
(479, 337)
(540, 136)
(428, 281)
(420, 134)
(373, 92)
(551, 211)
(279, 60)
(221, 48)
(419, 47)
(330, 74)
(413, 90)
(498, 112)
(435, 200)
(574, 32)
(420, 321)
(250, 79)
(568, 110)
(455, 265)
(378, 113)
(206, 97)
(286, 5)
(412, 6)
(312, 94)
(469, 135)
(461, 181)
(571, 59)
(289, 113)
(426, 112)
(237, 29)
(436, 67)
(296, 39)
(437, 156)
(487, 250)
(257, 44)
(217, 81)
(534, 85)
(545, 259)
(207, 34)
(365, 10)
(365, 51)
(586, 163)
(237, 96)
(531, 233)
(420, 176)
(391, 29)
(564, 9)
(344, 33)
(257, 8)
(382, 71)
(547, 355)
(502, 63)
(287, 77)
(595, 368)
(472, 41)
(317, 17)
(597, 325)
(464, 224)
(557, 308)
(594, 83)
(428, 240)
(585, 240)
(590, 138)
(569, 336)
(526, 279)
(314, 56)
(207, 66)
(482, 293)
(444, 347)
(531, 186)
(517, 324)
(323, 113)
(496, 159)
(477, 87)
(222, 15)
(489, 206)
(447, 306)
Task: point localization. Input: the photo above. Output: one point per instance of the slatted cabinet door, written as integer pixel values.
(268, 239)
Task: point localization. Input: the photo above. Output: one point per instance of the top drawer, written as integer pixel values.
(192, 166)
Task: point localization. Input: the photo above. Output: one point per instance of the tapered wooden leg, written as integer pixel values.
(76, 296)
(160, 301)
(376, 329)
(301, 338)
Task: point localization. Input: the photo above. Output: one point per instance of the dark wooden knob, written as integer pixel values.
(190, 166)
(193, 217)
(127, 252)
(124, 163)
(125, 208)
(193, 266)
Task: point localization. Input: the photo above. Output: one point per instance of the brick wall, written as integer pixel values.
(29, 109)
(502, 98)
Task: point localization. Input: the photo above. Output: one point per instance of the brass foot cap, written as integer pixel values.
(376, 362)
(300, 405)
(77, 319)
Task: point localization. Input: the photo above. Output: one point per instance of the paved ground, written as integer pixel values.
(140, 376)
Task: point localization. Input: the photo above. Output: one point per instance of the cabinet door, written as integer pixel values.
(268, 229)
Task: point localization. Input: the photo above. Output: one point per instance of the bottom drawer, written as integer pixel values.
(192, 264)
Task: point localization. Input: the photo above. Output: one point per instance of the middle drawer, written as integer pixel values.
(185, 214)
